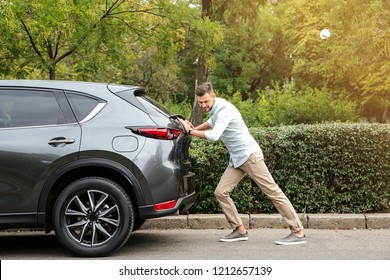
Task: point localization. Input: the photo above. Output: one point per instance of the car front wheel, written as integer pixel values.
(93, 217)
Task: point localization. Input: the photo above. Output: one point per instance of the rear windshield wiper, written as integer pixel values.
(175, 116)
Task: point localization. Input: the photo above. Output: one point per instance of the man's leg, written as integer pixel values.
(229, 180)
(255, 167)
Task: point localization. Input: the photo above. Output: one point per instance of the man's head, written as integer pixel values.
(206, 96)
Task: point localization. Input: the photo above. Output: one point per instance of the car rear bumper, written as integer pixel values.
(182, 204)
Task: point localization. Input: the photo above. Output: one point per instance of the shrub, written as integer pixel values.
(184, 107)
(314, 106)
(326, 168)
(286, 107)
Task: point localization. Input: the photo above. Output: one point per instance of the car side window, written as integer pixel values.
(21, 108)
(82, 105)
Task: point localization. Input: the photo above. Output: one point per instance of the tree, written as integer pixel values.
(39, 35)
(204, 37)
(252, 54)
(355, 59)
(227, 17)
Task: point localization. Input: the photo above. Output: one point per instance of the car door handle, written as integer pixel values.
(60, 141)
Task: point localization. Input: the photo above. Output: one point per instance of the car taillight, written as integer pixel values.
(158, 133)
(165, 205)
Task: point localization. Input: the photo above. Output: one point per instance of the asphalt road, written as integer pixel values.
(192, 244)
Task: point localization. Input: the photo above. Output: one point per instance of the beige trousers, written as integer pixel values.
(255, 167)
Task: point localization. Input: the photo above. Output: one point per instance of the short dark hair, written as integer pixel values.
(204, 88)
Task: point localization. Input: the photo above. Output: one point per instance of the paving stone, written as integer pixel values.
(212, 221)
(272, 221)
(169, 222)
(336, 221)
(378, 220)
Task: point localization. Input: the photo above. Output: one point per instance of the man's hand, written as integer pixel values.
(186, 124)
(198, 131)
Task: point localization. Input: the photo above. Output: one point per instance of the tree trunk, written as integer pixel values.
(201, 77)
(385, 114)
(52, 73)
(201, 73)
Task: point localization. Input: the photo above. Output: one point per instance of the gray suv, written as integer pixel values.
(92, 161)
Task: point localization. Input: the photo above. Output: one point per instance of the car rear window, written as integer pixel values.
(139, 99)
(152, 105)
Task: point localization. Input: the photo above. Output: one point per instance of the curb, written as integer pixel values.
(253, 221)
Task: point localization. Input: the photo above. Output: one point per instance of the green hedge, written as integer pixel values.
(326, 168)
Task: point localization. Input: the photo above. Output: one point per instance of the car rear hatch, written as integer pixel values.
(167, 127)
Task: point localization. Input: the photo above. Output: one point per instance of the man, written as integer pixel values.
(246, 157)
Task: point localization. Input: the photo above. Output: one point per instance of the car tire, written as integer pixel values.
(138, 224)
(93, 217)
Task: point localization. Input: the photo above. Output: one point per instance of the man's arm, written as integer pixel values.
(203, 126)
(198, 131)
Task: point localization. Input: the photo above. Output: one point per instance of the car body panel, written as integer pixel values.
(27, 159)
(37, 162)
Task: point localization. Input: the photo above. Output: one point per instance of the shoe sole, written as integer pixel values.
(290, 243)
(234, 239)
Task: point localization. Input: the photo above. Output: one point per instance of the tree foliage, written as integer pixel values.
(241, 46)
(250, 57)
(278, 41)
(354, 59)
(82, 37)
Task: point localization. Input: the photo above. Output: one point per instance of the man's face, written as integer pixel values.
(206, 102)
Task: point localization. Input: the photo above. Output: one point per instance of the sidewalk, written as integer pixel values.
(312, 221)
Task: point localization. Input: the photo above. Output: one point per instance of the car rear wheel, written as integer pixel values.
(93, 217)
(138, 223)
